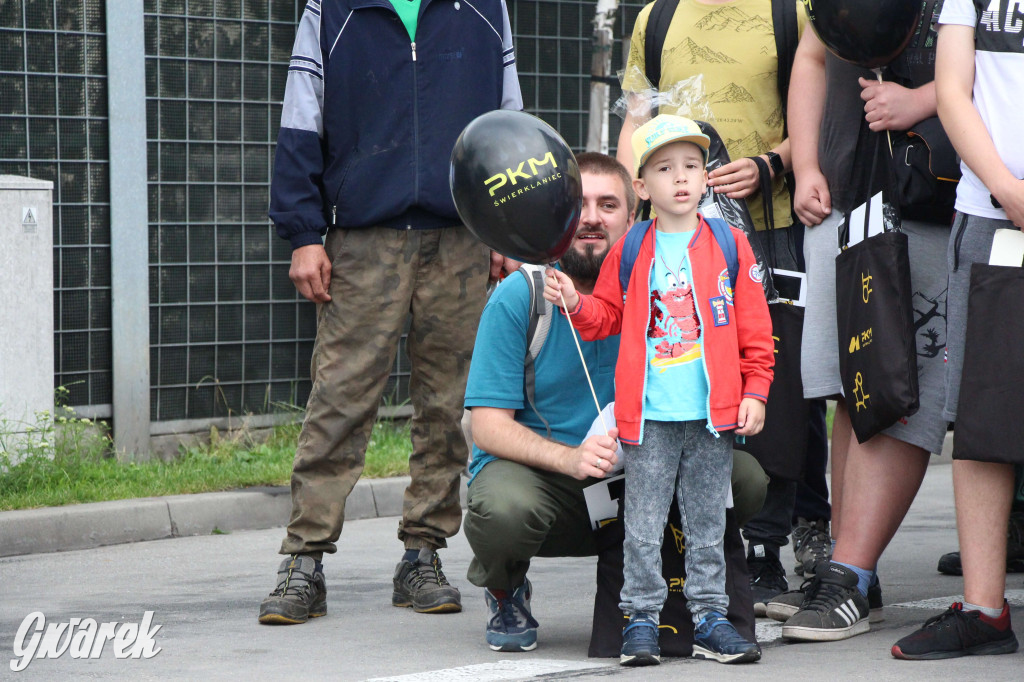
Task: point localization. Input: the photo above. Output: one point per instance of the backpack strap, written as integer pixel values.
(727, 243)
(536, 334)
(654, 40)
(630, 250)
(787, 35)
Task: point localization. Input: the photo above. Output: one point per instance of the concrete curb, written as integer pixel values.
(83, 526)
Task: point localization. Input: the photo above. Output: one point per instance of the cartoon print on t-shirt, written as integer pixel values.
(674, 321)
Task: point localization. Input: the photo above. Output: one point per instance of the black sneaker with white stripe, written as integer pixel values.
(833, 607)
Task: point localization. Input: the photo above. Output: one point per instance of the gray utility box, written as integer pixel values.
(26, 304)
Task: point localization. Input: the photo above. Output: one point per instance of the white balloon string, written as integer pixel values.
(600, 415)
(888, 135)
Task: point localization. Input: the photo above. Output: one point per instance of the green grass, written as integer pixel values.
(82, 469)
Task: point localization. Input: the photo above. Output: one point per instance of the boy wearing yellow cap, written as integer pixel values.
(694, 368)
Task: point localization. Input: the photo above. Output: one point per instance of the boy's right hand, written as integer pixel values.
(594, 457)
(557, 285)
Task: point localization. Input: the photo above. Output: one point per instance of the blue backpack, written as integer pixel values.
(631, 249)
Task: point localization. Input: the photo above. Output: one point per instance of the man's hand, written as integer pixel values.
(750, 418)
(812, 202)
(594, 457)
(737, 179)
(1011, 197)
(311, 272)
(556, 285)
(502, 266)
(889, 106)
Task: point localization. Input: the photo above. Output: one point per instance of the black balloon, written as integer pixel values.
(516, 186)
(868, 33)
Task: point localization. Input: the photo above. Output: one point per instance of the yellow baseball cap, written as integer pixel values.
(662, 130)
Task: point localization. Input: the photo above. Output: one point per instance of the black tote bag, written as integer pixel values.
(781, 446)
(875, 320)
(989, 427)
(675, 635)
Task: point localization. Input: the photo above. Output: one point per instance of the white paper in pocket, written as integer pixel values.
(1007, 248)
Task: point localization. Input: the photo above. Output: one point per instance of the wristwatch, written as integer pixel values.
(775, 161)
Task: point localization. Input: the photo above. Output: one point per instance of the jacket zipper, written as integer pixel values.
(643, 336)
(703, 337)
(415, 132)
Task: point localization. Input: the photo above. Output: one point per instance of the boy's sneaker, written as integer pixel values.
(786, 604)
(423, 586)
(715, 639)
(511, 626)
(950, 563)
(959, 633)
(767, 580)
(640, 641)
(811, 545)
(301, 593)
(833, 607)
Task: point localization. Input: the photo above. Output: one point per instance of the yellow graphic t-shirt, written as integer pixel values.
(733, 46)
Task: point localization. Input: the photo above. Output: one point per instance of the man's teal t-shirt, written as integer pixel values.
(408, 12)
(562, 396)
(677, 387)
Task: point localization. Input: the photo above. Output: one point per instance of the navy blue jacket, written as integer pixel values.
(370, 118)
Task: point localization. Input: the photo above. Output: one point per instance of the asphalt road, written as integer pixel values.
(204, 592)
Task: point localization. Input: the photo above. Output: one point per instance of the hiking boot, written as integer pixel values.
(957, 633)
(511, 626)
(767, 579)
(640, 641)
(301, 593)
(715, 639)
(788, 603)
(423, 586)
(811, 545)
(949, 564)
(833, 607)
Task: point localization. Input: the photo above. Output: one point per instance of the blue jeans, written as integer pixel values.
(686, 459)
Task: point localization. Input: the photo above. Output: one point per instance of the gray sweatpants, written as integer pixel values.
(687, 459)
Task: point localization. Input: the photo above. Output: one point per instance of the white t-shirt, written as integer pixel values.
(998, 89)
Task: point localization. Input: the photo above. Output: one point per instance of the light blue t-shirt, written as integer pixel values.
(677, 386)
(561, 393)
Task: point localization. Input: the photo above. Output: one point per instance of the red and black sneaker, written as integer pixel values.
(957, 633)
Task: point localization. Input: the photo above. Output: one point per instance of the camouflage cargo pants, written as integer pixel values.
(380, 276)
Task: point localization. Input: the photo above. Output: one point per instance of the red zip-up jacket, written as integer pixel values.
(738, 353)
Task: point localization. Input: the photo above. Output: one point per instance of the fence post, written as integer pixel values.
(129, 226)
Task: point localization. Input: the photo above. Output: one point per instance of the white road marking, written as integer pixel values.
(1015, 597)
(499, 670)
(767, 630)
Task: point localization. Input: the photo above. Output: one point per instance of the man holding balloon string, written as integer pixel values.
(836, 110)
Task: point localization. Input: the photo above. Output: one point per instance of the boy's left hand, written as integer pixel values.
(750, 418)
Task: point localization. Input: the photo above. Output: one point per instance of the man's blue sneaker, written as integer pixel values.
(640, 641)
(511, 626)
(715, 638)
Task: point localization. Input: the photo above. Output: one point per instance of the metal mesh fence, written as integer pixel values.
(228, 333)
(53, 126)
